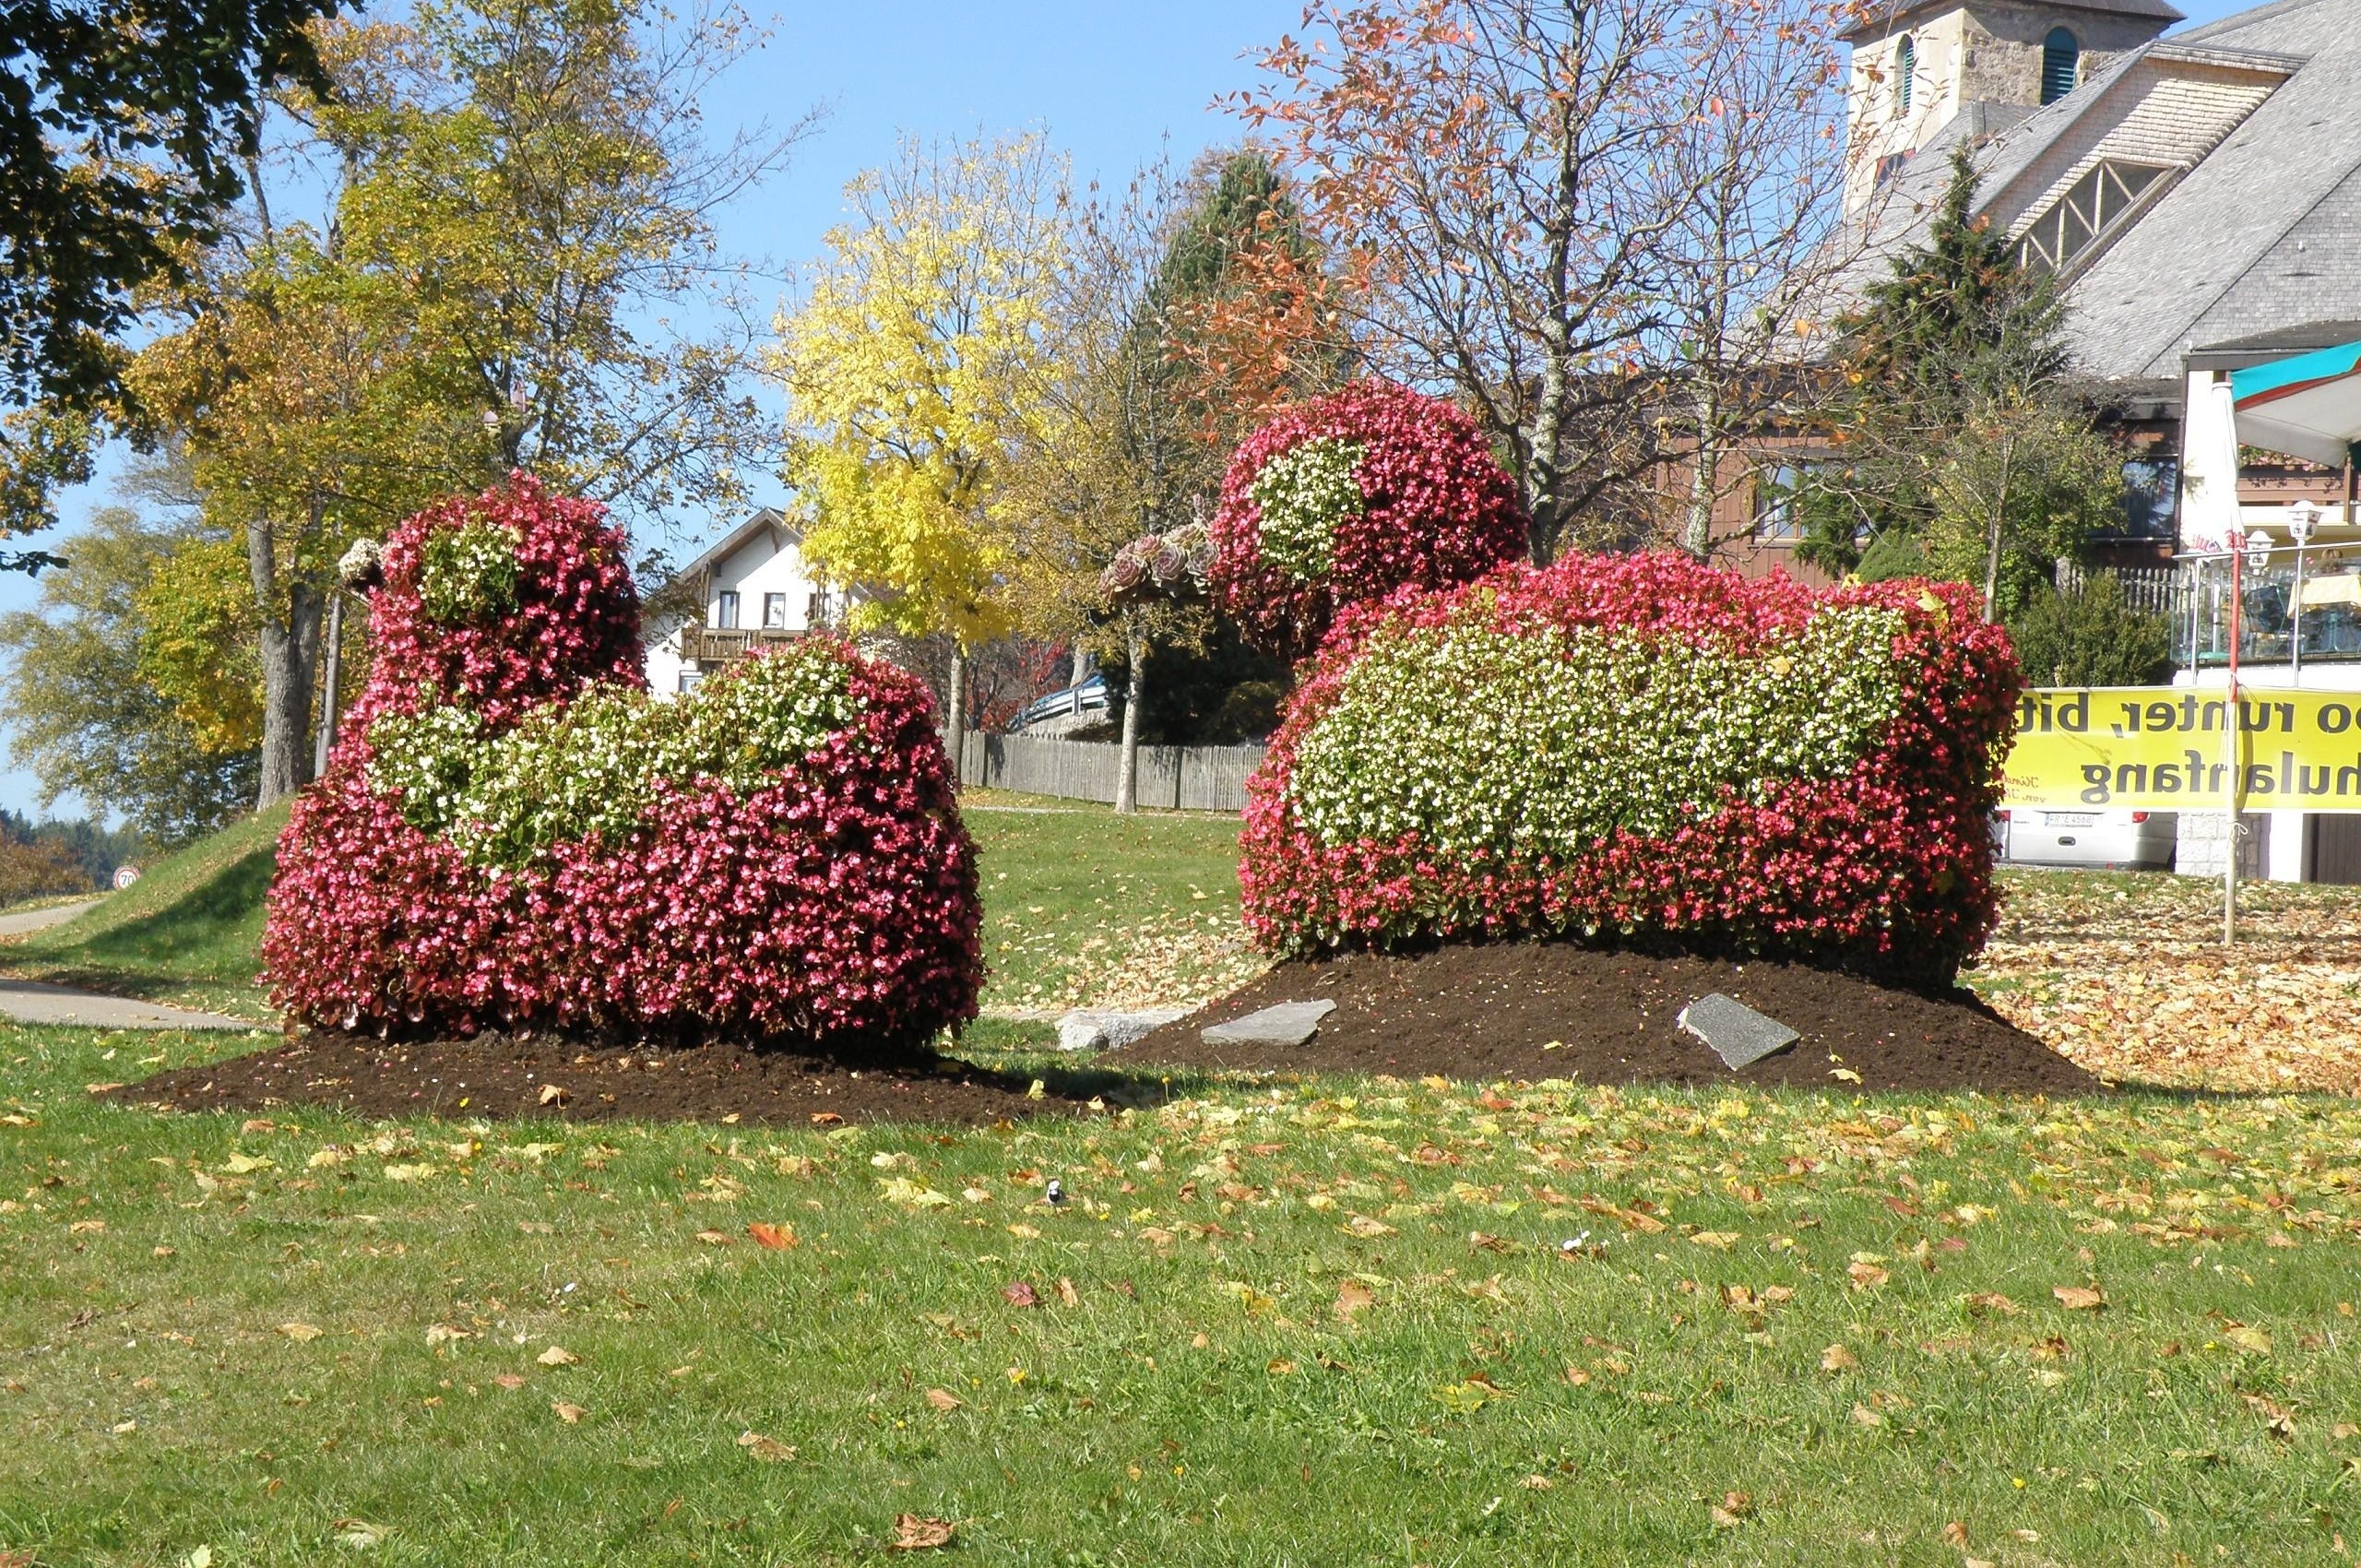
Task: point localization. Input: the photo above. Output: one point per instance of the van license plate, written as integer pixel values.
(2070, 819)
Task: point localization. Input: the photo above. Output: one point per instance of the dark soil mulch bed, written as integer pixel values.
(500, 1077)
(1488, 1011)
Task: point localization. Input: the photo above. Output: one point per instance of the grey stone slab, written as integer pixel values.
(1289, 1023)
(1739, 1035)
(1085, 1029)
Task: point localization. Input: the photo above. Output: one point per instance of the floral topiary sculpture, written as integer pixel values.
(512, 833)
(1350, 497)
(1644, 746)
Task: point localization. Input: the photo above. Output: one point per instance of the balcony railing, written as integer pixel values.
(707, 644)
(2286, 613)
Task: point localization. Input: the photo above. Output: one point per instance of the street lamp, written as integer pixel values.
(2303, 516)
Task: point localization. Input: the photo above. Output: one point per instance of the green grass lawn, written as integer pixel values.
(1305, 1323)
(187, 932)
(1321, 1322)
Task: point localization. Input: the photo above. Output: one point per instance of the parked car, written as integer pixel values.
(2108, 840)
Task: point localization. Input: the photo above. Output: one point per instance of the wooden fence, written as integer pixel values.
(1197, 778)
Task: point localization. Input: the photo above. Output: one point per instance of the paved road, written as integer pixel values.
(41, 920)
(33, 1001)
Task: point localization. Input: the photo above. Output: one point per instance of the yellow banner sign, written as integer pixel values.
(2154, 748)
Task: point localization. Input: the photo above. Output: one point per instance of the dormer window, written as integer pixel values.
(2091, 207)
(1905, 69)
(2061, 63)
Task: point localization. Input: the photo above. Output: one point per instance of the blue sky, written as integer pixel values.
(1112, 84)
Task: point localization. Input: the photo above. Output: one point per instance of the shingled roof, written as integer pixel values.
(1877, 21)
(2258, 238)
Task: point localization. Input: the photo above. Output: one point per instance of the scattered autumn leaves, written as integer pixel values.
(2127, 977)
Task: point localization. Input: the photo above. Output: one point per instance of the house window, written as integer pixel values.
(689, 678)
(1775, 521)
(815, 609)
(725, 613)
(2149, 487)
(774, 611)
(2061, 63)
(2094, 203)
(1905, 67)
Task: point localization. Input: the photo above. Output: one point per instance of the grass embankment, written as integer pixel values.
(187, 932)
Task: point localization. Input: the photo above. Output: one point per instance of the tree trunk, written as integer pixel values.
(290, 653)
(954, 707)
(329, 682)
(1549, 439)
(1704, 482)
(1127, 774)
(1080, 663)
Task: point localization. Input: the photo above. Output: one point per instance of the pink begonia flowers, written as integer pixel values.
(512, 834)
(1350, 497)
(1643, 747)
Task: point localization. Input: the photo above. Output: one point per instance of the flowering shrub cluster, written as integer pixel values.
(1350, 497)
(1643, 745)
(519, 837)
(468, 572)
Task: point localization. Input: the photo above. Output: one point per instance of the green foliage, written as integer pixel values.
(1302, 494)
(87, 720)
(197, 643)
(2089, 636)
(1889, 556)
(1581, 734)
(1214, 692)
(469, 574)
(593, 765)
(1957, 425)
(126, 126)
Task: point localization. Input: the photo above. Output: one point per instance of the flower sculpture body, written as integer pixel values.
(1635, 745)
(512, 833)
(1349, 498)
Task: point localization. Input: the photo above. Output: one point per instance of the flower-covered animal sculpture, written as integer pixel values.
(1349, 498)
(1643, 746)
(512, 833)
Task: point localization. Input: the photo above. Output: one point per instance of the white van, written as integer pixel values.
(2110, 840)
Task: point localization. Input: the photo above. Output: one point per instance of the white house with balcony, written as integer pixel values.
(751, 589)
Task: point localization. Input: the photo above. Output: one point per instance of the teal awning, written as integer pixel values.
(2307, 405)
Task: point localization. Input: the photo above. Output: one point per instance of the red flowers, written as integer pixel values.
(1426, 505)
(1881, 862)
(834, 906)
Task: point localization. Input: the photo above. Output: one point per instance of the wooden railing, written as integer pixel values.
(703, 643)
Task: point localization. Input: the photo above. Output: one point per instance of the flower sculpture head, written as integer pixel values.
(1350, 497)
(513, 833)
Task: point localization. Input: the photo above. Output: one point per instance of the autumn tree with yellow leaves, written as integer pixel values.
(913, 364)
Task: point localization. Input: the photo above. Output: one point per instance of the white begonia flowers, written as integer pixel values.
(1302, 494)
(592, 766)
(1480, 740)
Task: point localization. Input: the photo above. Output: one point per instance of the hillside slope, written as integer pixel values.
(187, 932)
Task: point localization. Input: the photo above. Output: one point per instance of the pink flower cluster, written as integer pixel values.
(1437, 509)
(834, 907)
(1886, 868)
(577, 617)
